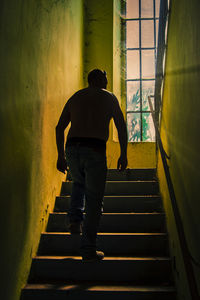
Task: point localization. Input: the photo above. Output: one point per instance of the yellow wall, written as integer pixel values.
(103, 49)
(180, 132)
(45, 51)
(41, 66)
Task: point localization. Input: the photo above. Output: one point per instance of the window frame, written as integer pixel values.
(155, 20)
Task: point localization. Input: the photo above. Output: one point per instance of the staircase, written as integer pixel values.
(132, 234)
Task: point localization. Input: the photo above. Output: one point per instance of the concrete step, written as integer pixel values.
(119, 204)
(96, 291)
(131, 174)
(115, 222)
(128, 174)
(110, 243)
(128, 269)
(121, 188)
(136, 265)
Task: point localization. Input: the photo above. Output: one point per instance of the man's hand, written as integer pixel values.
(122, 163)
(61, 164)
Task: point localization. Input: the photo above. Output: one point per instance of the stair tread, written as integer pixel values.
(120, 196)
(122, 181)
(132, 200)
(107, 258)
(135, 170)
(119, 203)
(110, 233)
(98, 287)
(115, 222)
(130, 187)
(118, 214)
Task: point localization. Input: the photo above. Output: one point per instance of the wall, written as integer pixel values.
(103, 48)
(42, 59)
(41, 66)
(180, 132)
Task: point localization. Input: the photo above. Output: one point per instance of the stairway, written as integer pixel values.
(132, 234)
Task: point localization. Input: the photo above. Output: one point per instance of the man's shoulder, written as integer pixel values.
(77, 95)
(81, 92)
(109, 94)
(91, 92)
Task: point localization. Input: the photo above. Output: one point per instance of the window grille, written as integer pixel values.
(142, 17)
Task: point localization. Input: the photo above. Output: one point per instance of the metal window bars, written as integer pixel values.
(141, 80)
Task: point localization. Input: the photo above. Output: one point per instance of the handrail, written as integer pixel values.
(179, 225)
(161, 48)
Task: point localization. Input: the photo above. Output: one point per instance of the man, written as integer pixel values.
(89, 111)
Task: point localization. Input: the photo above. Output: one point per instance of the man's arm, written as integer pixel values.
(122, 135)
(60, 128)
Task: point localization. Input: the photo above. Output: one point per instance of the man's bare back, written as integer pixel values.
(91, 110)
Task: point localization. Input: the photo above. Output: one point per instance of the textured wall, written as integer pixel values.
(98, 38)
(41, 66)
(44, 50)
(180, 130)
(102, 49)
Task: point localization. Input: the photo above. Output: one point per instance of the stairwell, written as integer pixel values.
(132, 234)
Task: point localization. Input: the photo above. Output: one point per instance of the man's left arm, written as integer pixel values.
(122, 134)
(60, 128)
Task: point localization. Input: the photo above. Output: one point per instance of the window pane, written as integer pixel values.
(147, 33)
(143, 84)
(148, 130)
(147, 90)
(134, 124)
(146, 8)
(148, 64)
(157, 8)
(133, 66)
(132, 34)
(132, 9)
(133, 96)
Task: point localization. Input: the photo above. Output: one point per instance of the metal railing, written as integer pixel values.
(187, 257)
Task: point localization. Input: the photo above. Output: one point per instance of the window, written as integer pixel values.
(141, 44)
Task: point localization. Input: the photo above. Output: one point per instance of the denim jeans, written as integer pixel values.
(88, 170)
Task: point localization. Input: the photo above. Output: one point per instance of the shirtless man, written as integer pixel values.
(89, 110)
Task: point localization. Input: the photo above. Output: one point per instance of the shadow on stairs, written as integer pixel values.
(132, 234)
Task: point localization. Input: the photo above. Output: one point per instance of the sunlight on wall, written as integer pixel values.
(180, 133)
(41, 66)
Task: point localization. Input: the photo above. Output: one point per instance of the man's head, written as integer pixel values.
(97, 78)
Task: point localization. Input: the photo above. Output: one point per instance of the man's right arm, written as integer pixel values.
(122, 135)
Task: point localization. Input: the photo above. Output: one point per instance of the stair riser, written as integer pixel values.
(134, 263)
(119, 204)
(130, 175)
(95, 295)
(122, 188)
(110, 244)
(137, 271)
(114, 223)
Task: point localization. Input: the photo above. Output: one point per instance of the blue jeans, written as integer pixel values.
(88, 169)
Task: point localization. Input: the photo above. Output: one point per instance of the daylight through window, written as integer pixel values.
(141, 44)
